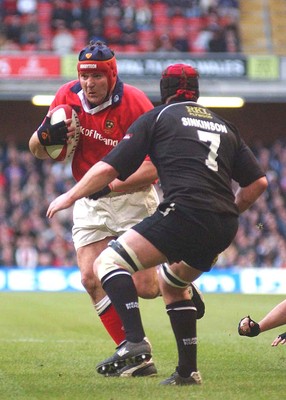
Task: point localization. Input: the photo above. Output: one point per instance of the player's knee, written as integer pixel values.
(88, 281)
(146, 283)
(116, 256)
(170, 278)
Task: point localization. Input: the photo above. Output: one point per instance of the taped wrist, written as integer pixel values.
(50, 135)
(253, 327)
(103, 192)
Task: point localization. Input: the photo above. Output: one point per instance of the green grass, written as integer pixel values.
(50, 343)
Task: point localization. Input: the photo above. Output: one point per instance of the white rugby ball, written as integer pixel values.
(63, 152)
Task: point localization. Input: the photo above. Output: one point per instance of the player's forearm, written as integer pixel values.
(94, 180)
(36, 148)
(100, 175)
(246, 196)
(144, 176)
(276, 317)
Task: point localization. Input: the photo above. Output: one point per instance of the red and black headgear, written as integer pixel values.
(180, 80)
(97, 57)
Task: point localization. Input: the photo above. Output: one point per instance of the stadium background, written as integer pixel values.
(250, 63)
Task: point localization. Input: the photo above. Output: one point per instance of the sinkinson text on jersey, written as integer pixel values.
(207, 125)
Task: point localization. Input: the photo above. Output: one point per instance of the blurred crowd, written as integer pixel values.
(64, 26)
(27, 185)
(28, 239)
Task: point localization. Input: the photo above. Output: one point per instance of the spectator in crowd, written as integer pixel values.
(128, 9)
(217, 41)
(7, 256)
(200, 43)
(112, 30)
(30, 34)
(13, 28)
(165, 44)
(112, 9)
(129, 32)
(223, 39)
(95, 29)
(182, 8)
(109, 20)
(61, 13)
(78, 14)
(94, 10)
(143, 15)
(229, 8)
(232, 38)
(26, 254)
(63, 41)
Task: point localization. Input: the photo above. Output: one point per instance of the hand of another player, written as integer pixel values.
(60, 203)
(281, 339)
(245, 326)
(248, 327)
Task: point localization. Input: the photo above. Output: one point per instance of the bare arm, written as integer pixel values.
(276, 317)
(145, 175)
(99, 175)
(246, 196)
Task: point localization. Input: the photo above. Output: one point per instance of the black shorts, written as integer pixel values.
(191, 235)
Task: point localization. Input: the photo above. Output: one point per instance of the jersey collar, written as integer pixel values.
(113, 100)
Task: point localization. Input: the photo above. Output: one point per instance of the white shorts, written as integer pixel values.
(111, 215)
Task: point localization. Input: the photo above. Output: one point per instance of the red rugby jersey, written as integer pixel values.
(102, 127)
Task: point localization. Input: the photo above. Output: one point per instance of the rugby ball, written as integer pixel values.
(64, 152)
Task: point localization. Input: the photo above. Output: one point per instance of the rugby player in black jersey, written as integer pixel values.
(197, 155)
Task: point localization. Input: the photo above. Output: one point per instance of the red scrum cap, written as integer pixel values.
(97, 57)
(180, 80)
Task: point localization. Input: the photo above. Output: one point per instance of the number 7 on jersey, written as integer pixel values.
(214, 141)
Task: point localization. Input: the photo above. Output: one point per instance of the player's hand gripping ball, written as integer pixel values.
(53, 133)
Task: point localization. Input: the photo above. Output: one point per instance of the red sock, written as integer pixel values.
(113, 324)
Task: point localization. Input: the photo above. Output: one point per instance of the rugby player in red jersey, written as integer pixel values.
(106, 107)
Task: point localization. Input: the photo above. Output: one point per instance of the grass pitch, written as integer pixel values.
(50, 343)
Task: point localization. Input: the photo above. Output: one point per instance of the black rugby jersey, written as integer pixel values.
(196, 153)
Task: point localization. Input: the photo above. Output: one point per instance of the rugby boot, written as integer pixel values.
(175, 379)
(130, 359)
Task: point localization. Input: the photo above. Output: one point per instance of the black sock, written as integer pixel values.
(123, 295)
(183, 318)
